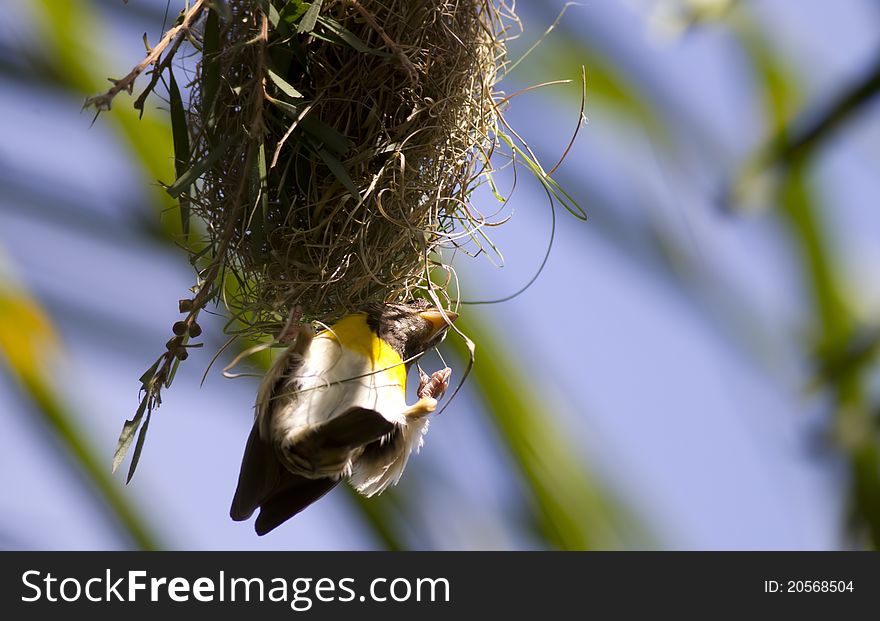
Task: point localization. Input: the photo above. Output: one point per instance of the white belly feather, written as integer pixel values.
(331, 380)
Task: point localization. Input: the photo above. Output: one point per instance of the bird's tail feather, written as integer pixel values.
(293, 494)
(260, 474)
(265, 483)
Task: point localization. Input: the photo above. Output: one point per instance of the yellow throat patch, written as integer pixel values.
(353, 332)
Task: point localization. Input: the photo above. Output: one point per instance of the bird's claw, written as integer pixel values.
(433, 386)
(293, 327)
(296, 333)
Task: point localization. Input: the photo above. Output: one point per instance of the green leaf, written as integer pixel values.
(180, 135)
(183, 182)
(136, 456)
(335, 142)
(259, 220)
(322, 133)
(274, 17)
(340, 34)
(339, 172)
(310, 18)
(283, 85)
(149, 373)
(210, 65)
(293, 110)
(129, 428)
(565, 199)
(290, 15)
(172, 372)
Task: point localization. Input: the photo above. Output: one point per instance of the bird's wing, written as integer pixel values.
(273, 383)
(263, 482)
(266, 484)
(326, 449)
(292, 494)
(353, 428)
(260, 474)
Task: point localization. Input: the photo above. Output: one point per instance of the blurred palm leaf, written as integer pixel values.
(573, 511)
(29, 345)
(835, 327)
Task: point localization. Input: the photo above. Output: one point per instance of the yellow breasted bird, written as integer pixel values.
(334, 406)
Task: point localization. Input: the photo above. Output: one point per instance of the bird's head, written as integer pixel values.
(411, 328)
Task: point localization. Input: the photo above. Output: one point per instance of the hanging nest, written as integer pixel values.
(326, 155)
(336, 145)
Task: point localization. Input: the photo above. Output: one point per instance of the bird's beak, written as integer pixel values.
(438, 319)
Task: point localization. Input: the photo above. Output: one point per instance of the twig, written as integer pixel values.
(157, 73)
(208, 287)
(102, 102)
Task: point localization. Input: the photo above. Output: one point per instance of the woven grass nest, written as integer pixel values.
(325, 155)
(354, 147)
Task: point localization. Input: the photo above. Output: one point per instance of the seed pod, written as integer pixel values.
(179, 328)
(195, 330)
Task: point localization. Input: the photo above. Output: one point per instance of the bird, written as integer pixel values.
(333, 406)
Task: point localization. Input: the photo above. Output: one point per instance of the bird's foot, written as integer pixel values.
(292, 328)
(296, 332)
(420, 408)
(433, 386)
